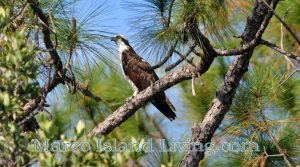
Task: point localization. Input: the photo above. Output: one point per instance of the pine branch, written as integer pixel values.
(203, 132)
(59, 74)
(274, 140)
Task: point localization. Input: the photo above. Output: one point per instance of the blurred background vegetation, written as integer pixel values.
(266, 106)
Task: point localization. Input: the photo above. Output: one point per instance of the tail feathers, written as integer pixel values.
(163, 104)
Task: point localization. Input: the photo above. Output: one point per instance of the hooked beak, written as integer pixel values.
(113, 39)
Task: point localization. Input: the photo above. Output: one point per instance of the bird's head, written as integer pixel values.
(120, 40)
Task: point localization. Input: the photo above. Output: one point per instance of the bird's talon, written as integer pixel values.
(129, 98)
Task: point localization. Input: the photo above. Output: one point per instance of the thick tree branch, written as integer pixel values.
(203, 132)
(46, 34)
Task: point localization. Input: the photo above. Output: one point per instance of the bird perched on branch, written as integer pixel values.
(140, 75)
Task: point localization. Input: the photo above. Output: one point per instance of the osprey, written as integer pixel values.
(140, 75)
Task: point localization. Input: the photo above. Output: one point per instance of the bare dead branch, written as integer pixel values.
(281, 38)
(185, 58)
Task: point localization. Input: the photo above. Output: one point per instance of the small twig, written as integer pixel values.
(276, 48)
(190, 61)
(167, 57)
(14, 20)
(84, 90)
(237, 36)
(282, 21)
(274, 155)
(281, 39)
(170, 67)
(199, 53)
(30, 116)
(294, 71)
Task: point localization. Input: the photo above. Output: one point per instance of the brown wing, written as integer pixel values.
(138, 70)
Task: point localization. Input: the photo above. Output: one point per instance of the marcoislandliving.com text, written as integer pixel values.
(150, 145)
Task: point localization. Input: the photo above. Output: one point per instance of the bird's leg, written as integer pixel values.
(135, 92)
(128, 98)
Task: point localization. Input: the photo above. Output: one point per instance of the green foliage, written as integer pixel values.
(88, 154)
(18, 72)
